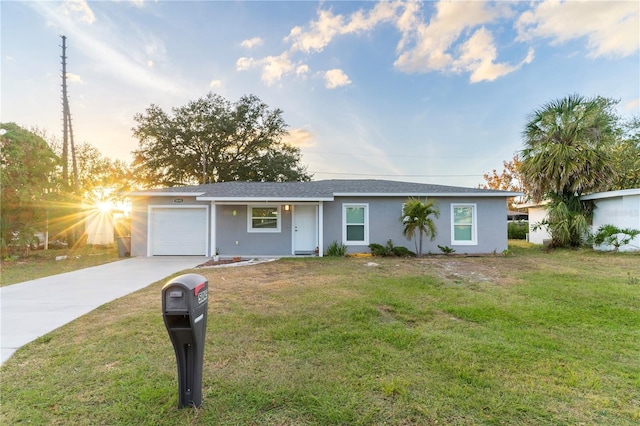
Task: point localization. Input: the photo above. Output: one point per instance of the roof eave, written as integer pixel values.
(163, 194)
(611, 194)
(264, 199)
(428, 194)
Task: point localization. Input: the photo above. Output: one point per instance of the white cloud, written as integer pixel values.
(154, 47)
(336, 78)
(244, 64)
(215, 84)
(74, 78)
(320, 34)
(274, 67)
(611, 28)
(300, 138)
(327, 26)
(79, 9)
(632, 105)
(252, 42)
(150, 63)
(427, 47)
(458, 36)
(383, 11)
(478, 55)
(442, 44)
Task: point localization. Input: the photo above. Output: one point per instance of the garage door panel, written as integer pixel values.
(179, 231)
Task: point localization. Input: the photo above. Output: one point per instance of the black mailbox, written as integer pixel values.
(184, 308)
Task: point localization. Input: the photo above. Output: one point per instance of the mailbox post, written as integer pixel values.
(184, 309)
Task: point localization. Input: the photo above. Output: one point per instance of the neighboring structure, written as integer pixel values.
(537, 213)
(252, 219)
(99, 228)
(619, 208)
(517, 216)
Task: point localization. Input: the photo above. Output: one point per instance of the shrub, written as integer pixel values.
(446, 249)
(517, 230)
(336, 249)
(389, 250)
(611, 235)
(378, 249)
(403, 252)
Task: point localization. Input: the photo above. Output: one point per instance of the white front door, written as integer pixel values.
(304, 229)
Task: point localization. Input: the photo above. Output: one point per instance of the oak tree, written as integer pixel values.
(214, 140)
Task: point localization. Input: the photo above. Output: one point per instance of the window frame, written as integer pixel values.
(474, 225)
(364, 242)
(250, 218)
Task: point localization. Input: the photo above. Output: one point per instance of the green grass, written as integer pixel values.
(529, 338)
(42, 263)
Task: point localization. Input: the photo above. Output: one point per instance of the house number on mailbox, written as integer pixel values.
(202, 296)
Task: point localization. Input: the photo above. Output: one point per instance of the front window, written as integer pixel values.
(263, 219)
(355, 230)
(463, 224)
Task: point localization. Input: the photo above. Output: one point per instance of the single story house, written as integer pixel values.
(254, 219)
(619, 208)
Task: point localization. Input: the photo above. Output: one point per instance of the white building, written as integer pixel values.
(619, 208)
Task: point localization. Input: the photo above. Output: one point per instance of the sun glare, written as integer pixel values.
(105, 206)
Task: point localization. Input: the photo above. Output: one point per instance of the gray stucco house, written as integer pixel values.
(252, 219)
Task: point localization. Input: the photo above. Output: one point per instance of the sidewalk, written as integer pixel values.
(34, 308)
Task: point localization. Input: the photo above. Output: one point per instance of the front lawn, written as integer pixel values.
(42, 263)
(529, 338)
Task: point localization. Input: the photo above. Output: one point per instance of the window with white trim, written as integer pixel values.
(263, 218)
(355, 224)
(464, 229)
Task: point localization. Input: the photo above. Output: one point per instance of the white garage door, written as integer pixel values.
(178, 231)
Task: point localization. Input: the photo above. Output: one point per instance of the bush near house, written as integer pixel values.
(390, 250)
(517, 230)
(611, 235)
(336, 249)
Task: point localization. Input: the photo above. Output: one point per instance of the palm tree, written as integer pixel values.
(566, 155)
(566, 147)
(416, 218)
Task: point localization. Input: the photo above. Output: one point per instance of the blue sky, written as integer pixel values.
(435, 91)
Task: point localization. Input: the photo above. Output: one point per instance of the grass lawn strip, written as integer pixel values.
(43, 263)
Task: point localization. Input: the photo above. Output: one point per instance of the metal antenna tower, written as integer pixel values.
(67, 129)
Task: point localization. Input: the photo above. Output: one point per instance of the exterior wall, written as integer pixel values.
(536, 215)
(623, 212)
(385, 224)
(233, 239)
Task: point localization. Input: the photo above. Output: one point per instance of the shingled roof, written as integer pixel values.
(321, 190)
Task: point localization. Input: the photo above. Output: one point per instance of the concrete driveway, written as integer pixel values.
(34, 308)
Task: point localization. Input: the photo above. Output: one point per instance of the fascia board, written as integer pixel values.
(163, 194)
(428, 194)
(264, 199)
(611, 194)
